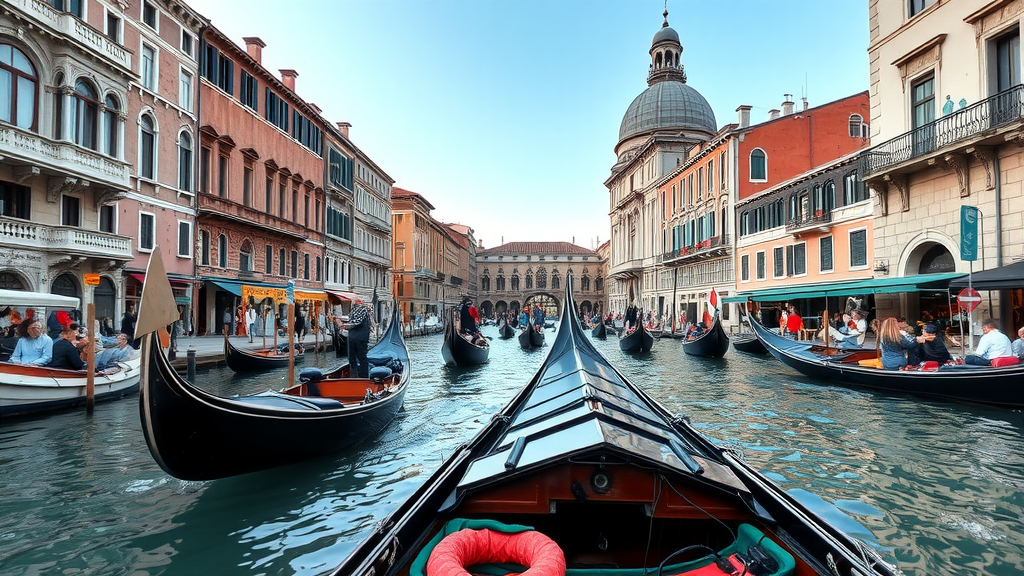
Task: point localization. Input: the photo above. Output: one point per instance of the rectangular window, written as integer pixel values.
(226, 74)
(319, 270)
(269, 193)
(113, 28)
(204, 248)
(800, 259)
(70, 211)
(295, 205)
(779, 262)
(184, 167)
(305, 266)
(185, 90)
(209, 62)
(923, 101)
(222, 177)
(790, 260)
(108, 218)
(700, 183)
(1008, 61)
(188, 44)
(147, 231)
(745, 267)
(305, 210)
(919, 5)
(204, 170)
(276, 109)
(149, 14)
(281, 199)
(247, 186)
(760, 266)
(825, 251)
(184, 239)
(295, 264)
(711, 176)
(268, 266)
(858, 248)
(248, 93)
(15, 201)
(148, 67)
(281, 262)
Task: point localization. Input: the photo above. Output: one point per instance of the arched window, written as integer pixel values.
(10, 281)
(744, 223)
(758, 166)
(84, 115)
(598, 283)
(204, 248)
(858, 129)
(110, 125)
(245, 257)
(65, 285)
(853, 189)
(222, 251)
(542, 279)
(18, 88)
(485, 283)
(585, 283)
(554, 280)
(147, 147)
(829, 196)
(499, 283)
(529, 281)
(515, 283)
(185, 162)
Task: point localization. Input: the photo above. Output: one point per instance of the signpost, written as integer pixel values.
(968, 299)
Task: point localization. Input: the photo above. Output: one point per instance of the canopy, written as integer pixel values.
(345, 296)
(23, 298)
(276, 292)
(918, 283)
(1007, 277)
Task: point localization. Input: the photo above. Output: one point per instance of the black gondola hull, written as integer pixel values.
(980, 385)
(748, 343)
(712, 344)
(639, 340)
(244, 361)
(530, 338)
(457, 350)
(505, 331)
(599, 331)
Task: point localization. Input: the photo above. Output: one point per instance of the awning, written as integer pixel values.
(276, 292)
(345, 296)
(227, 286)
(24, 298)
(1007, 277)
(918, 283)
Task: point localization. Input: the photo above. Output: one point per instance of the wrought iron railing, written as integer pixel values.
(709, 245)
(984, 116)
(814, 219)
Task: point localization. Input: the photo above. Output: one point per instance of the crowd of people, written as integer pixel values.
(64, 342)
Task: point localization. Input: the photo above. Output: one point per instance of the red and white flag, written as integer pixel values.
(713, 299)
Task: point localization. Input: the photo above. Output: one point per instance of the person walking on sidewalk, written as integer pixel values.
(250, 321)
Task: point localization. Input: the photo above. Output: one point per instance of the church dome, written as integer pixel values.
(668, 105)
(665, 34)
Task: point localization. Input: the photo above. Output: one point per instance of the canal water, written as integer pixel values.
(936, 487)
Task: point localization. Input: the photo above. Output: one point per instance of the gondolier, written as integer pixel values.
(358, 339)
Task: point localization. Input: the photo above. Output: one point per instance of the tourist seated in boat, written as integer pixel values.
(468, 316)
(993, 344)
(109, 357)
(894, 345)
(65, 353)
(855, 330)
(36, 348)
(932, 349)
(1018, 345)
(697, 330)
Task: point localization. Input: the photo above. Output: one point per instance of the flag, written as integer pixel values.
(713, 299)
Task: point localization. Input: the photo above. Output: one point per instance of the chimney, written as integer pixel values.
(343, 127)
(254, 46)
(787, 106)
(315, 107)
(804, 98)
(773, 113)
(288, 78)
(480, 244)
(744, 111)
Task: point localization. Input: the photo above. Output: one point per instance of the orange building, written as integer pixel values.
(261, 174)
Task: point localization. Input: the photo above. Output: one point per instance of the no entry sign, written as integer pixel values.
(968, 299)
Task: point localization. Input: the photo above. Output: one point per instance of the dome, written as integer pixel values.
(666, 33)
(668, 105)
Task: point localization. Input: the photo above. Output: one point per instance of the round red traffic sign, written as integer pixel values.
(968, 299)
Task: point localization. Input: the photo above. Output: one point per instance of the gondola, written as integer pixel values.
(639, 340)
(748, 342)
(585, 471)
(505, 331)
(457, 349)
(713, 344)
(599, 331)
(530, 338)
(976, 384)
(195, 435)
(256, 360)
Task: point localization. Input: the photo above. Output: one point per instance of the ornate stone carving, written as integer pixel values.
(881, 194)
(109, 196)
(900, 182)
(58, 185)
(23, 173)
(959, 164)
(986, 155)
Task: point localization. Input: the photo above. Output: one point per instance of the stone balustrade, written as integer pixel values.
(64, 240)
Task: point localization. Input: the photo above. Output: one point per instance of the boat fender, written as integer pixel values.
(540, 554)
(311, 375)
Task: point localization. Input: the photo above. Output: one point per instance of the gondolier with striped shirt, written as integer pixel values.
(358, 340)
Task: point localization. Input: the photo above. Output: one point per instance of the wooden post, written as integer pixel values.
(90, 358)
(291, 346)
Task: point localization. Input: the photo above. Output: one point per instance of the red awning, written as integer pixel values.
(344, 296)
(142, 279)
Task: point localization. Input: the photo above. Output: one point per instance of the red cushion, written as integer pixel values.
(930, 365)
(467, 547)
(1005, 361)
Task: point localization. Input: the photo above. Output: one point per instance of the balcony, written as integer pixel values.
(980, 123)
(425, 273)
(708, 249)
(69, 26)
(627, 269)
(62, 159)
(215, 206)
(440, 276)
(64, 240)
(820, 220)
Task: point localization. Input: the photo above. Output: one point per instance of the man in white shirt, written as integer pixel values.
(994, 344)
(855, 328)
(1018, 345)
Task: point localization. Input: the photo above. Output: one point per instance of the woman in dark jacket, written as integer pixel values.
(65, 351)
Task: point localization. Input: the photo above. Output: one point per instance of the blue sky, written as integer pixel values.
(505, 113)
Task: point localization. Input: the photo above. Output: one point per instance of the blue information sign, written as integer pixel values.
(969, 233)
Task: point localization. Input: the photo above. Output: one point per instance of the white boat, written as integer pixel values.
(27, 389)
